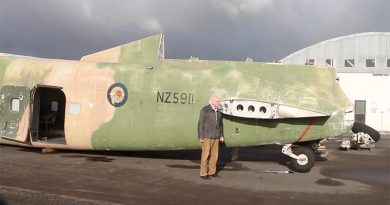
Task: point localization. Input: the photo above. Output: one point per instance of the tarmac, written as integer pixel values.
(28, 176)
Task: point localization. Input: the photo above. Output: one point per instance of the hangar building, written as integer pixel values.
(362, 62)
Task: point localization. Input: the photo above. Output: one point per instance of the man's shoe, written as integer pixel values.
(215, 176)
(205, 177)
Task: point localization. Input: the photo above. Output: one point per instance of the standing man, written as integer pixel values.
(210, 132)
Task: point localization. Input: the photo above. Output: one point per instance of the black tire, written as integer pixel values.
(361, 127)
(234, 154)
(307, 164)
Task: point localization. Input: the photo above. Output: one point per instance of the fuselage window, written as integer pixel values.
(75, 108)
(15, 104)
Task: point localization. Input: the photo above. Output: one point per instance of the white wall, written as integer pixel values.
(358, 82)
(375, 90)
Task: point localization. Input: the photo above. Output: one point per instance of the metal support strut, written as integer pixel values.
(288, 151)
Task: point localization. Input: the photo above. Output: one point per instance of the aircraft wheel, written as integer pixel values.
(305, 161)
(234, 154)
(361, 127)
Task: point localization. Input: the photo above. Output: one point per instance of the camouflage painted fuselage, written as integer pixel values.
(163, 99)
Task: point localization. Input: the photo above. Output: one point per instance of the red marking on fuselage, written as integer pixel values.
(306, 129)
(118, 93)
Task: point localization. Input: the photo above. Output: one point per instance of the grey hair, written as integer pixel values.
(214, 96)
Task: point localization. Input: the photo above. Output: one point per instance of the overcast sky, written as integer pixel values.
(210, 29)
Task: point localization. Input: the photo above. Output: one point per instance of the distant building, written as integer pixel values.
(362, 62)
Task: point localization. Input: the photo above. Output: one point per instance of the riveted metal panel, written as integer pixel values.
(14, 112)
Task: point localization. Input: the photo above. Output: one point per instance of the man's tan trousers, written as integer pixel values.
(210, 149)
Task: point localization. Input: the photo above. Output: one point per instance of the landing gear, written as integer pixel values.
(364, 137)
(361, 127)
(234, 153)
(302, 158)
(358, 141)
(305, 161)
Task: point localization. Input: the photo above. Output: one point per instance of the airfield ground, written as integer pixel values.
(28, 176)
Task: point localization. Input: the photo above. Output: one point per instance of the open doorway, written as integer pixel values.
(48, 115)
(360, 111)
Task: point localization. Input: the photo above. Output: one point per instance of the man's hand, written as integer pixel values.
(221, 139)
(201, 140)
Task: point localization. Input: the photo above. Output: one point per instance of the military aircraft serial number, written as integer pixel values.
(175, 97)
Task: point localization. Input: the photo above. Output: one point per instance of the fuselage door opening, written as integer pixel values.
(48, 114)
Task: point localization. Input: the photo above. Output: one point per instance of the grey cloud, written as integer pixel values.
(233, 30)
(236, 7)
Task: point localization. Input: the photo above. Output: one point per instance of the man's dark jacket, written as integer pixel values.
(210, 125)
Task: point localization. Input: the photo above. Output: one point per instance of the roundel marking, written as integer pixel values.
(117, 94)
